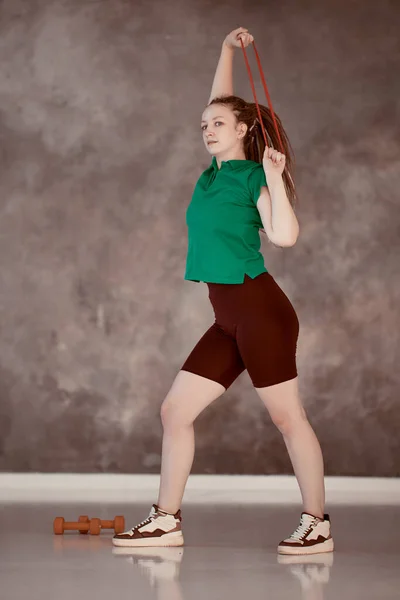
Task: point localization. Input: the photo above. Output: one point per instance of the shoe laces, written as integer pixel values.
(149, 519)
(306, 522)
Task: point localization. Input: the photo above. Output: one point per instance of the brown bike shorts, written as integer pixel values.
(255, 328)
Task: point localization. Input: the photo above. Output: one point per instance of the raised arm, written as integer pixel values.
(223, 78)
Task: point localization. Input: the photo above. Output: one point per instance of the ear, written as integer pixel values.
(241, 130)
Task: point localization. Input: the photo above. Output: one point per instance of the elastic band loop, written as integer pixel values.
(254, 94)
(266, 93)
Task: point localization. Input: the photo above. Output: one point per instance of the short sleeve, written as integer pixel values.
(256, 181)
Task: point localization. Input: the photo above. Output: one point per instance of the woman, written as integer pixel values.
(247, 187)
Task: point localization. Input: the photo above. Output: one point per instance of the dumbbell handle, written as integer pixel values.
(72, 526)
(107, 524)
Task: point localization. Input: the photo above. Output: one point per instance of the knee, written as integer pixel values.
(288, 423)
(171, 417)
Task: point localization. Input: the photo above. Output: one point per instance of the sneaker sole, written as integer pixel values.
(169, 539)
(326, 546)
(324, 559)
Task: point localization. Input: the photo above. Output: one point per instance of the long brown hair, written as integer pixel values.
(253, 142)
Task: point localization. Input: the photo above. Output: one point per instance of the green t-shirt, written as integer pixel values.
(223, 223)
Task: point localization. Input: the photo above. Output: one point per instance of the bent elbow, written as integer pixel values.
(289, 241)
(283, 242)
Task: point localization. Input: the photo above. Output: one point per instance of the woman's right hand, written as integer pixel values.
(232, 40)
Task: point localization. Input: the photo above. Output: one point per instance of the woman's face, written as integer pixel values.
(221, 132)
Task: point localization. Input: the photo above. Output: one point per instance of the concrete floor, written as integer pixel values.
(230, 554)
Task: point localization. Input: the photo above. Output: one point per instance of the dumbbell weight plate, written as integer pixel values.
(95, 526)
(119, 524)
(58, 525)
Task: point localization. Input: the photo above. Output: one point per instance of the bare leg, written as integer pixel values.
(286, 411)
(188, 396)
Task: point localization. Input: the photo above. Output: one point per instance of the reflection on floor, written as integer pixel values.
(229, 553)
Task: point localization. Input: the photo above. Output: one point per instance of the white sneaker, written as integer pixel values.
(159, 529)
(312, 536)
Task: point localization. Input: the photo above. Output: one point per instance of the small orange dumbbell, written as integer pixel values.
(83, 526)
(118, 524)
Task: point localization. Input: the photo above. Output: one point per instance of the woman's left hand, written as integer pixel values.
(273, 162)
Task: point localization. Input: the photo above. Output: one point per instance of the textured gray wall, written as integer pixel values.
(100, 147)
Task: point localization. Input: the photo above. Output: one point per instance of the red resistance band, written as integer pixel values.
(266, 93)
